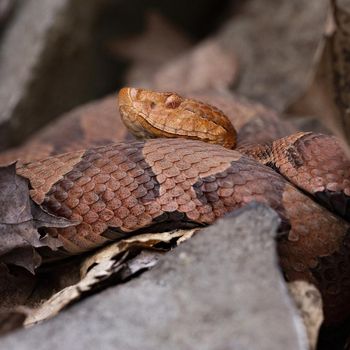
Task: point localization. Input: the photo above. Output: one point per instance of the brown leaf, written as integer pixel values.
(20, 219)
(328, 94)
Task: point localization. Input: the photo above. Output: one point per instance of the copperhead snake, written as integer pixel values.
(117, 189)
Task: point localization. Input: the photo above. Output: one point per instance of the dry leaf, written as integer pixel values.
(309, 303)
(20, 219)
(146, 240)
(66, 296)
(112, 264)
(328, 94)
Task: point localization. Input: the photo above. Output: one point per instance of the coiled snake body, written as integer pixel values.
(120, 188)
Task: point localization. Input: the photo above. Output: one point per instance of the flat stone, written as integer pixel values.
(220, 290)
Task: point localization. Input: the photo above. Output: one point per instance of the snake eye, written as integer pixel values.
(173, 101)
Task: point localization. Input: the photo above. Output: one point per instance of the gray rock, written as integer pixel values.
(275, 41)
(220, 290)
(47, 65)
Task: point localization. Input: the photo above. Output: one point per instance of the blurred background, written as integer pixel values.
(59, 54)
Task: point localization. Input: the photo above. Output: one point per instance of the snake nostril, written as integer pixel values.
(153, 105)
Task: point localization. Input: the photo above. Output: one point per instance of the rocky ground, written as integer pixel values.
(223, 288)
(210, 293)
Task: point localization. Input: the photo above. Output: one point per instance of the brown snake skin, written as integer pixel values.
(115, 190)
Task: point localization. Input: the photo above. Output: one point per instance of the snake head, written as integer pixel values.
(151, 114)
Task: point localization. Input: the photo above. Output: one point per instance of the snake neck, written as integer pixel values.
(261, 153)
(276, 153)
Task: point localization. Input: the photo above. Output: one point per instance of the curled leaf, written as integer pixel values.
(20, 219)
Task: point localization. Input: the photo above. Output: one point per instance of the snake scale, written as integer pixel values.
(117, 189)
